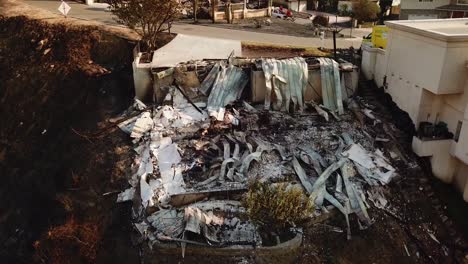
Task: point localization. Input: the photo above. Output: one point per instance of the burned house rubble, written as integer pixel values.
(219, 125)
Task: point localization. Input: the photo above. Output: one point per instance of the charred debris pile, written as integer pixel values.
(205, 145)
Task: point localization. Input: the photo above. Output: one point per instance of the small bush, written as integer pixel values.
(149, 18)
(320, 20)
(276, 208)
(365, 11)
(344, 10)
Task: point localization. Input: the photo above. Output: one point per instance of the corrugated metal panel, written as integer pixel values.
(331, 85)
(288, 80)
(207, 84)
(227, 87)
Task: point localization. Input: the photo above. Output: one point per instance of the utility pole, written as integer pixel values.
(334, 37)
(334, 44)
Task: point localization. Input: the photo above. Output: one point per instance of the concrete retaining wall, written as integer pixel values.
(374, 64)
(285, 252)
(142, 78)
(241, 14)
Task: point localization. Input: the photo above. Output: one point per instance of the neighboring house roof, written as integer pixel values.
(453, 8)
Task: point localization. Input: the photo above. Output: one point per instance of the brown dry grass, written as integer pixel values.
(276, 207)
(71, 242)
(10, 8)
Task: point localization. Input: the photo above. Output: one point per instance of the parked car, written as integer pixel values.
(367, 40)
(278, 14)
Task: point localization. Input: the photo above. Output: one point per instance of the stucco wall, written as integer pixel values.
(374, 64)
(429, 107)
(415, 60)
(380, 67)
(368, 62)
(239, 14)
(451, 113)
(454, 72)
(428, 79)
(415, 4)
(295, 5)
(405, 13)
(406, 95)
(460, 149)
(142, 79)
(256, 13)
(461, 180)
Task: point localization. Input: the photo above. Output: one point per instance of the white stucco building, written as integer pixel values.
(295, 5)
(425, 70)
(429, 9)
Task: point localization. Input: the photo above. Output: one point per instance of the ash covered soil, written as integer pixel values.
(58, 82)
(61, 163)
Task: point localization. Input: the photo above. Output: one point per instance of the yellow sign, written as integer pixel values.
(379, 36)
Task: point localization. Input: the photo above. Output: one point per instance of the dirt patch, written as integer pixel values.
(59, 82)
(252, 49)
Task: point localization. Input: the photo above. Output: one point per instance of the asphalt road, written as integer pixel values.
(99, 13)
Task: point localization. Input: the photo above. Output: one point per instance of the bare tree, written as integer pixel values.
(147, 17)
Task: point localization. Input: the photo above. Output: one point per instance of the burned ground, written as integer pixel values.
(58, 87)
(56, 82)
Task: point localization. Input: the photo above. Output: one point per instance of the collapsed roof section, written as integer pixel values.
(200, 147)
(289, 82)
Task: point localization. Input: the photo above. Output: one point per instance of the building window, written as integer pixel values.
(462, 2)
(432, 0)
(457, 133)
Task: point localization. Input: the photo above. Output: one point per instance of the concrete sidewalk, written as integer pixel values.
(99, 14)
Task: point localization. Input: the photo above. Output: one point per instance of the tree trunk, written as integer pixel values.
(214, 5)
(227, 12)
(244, 11)
(232, 13)
(195, 11)
(270, 7)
